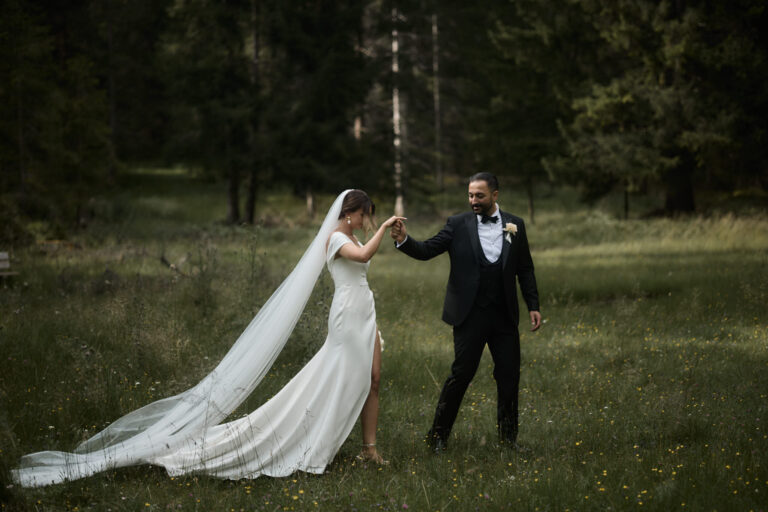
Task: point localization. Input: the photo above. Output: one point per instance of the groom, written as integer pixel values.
(488, 249)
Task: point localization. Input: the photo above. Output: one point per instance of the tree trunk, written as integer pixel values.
(256, 124)
(22, 146)
(357, 127)
(310, 203)
(398, 171)
(436, 101)
(529, 192)
(679, 194)
(626, 203)
(233, 190)
(252, 194)
(233, 196)
(111, 94)
(256, 34)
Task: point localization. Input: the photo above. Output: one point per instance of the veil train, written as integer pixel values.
(156, 429)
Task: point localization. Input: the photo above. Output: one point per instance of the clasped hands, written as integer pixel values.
(398, 231)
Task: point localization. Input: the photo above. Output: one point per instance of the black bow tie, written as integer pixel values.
(487, 218)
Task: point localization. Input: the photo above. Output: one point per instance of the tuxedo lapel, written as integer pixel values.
(506, 247)
(473, 236)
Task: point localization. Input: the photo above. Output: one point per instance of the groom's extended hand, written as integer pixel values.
(535, 320)
(398, 231)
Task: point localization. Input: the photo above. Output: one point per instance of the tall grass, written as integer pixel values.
(645, 389)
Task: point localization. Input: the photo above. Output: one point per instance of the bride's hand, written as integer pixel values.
(391, 221)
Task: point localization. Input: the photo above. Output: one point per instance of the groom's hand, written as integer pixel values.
(398, 231)
(535, 320)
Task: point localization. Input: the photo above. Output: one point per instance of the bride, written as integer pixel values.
(303, 426)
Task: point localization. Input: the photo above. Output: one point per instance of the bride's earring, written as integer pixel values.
(349, 220)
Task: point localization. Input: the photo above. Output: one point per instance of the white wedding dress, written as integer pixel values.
(304, 425)
(301, 428)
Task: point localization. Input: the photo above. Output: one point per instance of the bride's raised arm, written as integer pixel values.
(362, 254)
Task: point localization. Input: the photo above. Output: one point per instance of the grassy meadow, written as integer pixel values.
(646, 388)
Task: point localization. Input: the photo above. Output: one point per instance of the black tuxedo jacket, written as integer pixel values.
(459, 237)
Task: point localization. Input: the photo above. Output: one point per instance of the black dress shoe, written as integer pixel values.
(436, 443)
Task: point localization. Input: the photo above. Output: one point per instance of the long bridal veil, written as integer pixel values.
(156, 429)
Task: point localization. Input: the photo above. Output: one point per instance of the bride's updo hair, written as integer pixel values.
(355, 200)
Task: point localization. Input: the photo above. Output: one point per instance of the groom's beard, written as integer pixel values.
(480, 210)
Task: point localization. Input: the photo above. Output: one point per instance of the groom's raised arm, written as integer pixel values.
(431, 247)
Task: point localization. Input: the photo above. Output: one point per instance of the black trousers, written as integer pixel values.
(484, 325)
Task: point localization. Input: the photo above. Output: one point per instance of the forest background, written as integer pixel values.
(661, 99)
(163, 164)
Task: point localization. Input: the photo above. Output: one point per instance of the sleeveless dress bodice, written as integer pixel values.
(343, 271)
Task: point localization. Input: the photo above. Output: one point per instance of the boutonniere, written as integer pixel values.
(510, 230)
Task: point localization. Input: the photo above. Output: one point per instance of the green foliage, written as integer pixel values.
(212, 96)
(54, 146)
(124, 43)
(642, 97)
(649, 90)
(318, 79)
(13, 232)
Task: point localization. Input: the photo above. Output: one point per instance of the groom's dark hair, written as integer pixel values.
(487, 177)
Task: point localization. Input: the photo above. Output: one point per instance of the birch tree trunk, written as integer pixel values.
(310, 203)
(436, 97)
(357, 126)
(398, 171)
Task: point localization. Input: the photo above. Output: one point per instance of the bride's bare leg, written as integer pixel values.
(369, 418)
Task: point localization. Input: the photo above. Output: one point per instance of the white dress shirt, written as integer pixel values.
(491, 236)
